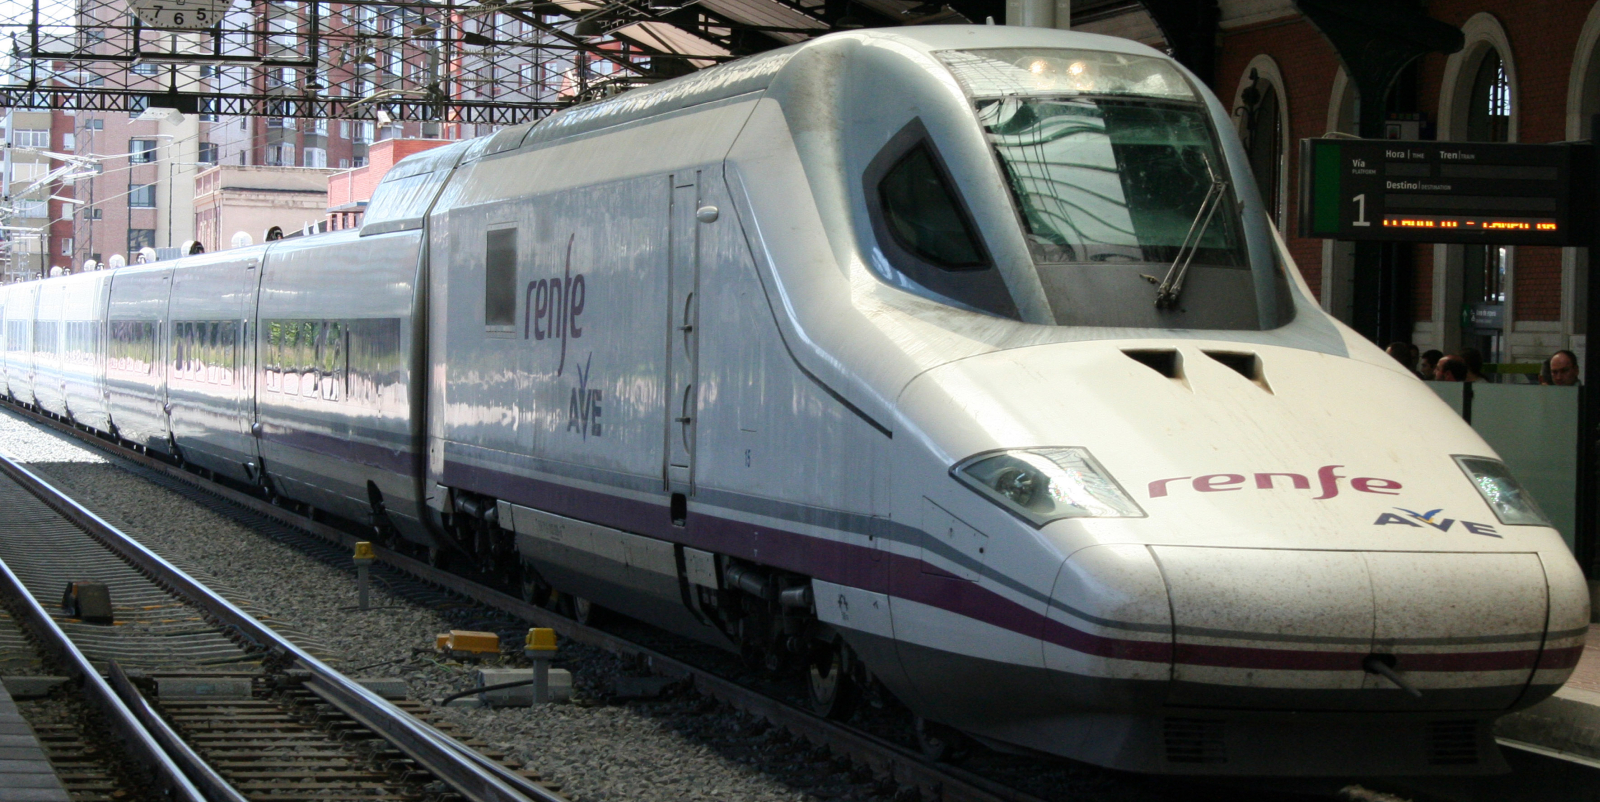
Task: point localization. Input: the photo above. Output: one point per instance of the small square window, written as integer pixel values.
(142, 196)
(500, 279)
(141, 151)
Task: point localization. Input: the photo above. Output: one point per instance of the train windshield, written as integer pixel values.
(1113, 180)
(1120, 186)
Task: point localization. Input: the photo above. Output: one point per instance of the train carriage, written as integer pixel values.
(48, 386)
(79, 367)
(5, 350)
(136, 355)
(210, 393)
(336, 403)
(21, 300)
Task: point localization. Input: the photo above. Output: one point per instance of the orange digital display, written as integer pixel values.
(1465, 224)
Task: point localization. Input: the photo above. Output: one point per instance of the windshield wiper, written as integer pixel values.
(1172, 286)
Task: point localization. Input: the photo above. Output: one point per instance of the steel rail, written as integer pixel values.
(882, 757)
(146, 747)
(216, 788)
(473, 776)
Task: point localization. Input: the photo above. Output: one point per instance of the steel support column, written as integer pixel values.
(1375, 40)
(1190, 27)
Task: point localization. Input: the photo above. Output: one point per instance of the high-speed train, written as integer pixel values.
(960, 361)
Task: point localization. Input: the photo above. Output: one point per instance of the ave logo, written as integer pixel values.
(1432, 518)
(583, 413)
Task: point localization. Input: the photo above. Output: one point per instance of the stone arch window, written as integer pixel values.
(1583, 103)
(1473, 284)
(1488, 120)
(1260, 107)
(1489, 109)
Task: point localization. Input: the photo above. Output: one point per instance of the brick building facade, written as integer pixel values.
(349, 191)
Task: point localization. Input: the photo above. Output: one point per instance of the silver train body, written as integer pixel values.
(857, 342)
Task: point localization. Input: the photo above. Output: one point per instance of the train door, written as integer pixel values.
(248, 290)
(683, 281)
(136, 312)
(5, 382)
(209, 388)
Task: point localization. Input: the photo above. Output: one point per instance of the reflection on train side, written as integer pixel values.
(349, 361)
(132, 348)
(83, 342)
(205, 351)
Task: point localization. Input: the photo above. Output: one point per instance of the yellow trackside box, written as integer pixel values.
(540, 640)
(460, 641)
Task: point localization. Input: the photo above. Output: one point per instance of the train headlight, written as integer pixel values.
(1510, 502)
(1040, 485)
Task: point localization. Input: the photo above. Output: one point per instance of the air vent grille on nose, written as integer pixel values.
(1165, 361)
(1452, 743)
(1245, 364)
(1195, 740)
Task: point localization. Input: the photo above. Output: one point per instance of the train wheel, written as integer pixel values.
(834, 693)
(437, 557)
(586, 612)
(533, 590)
(939, 742)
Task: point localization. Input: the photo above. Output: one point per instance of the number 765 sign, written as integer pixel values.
(187, 14)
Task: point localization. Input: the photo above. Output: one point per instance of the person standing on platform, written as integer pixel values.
(1450, 369)
(1406, 354)
(1430, 360)
(1563, 369)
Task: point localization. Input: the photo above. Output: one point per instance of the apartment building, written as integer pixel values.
(254, 199)
(26, 251)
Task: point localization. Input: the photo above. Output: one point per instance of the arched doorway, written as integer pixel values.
(1266, 152)
(1260, 109)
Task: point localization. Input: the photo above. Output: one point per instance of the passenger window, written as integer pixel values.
(500, 279)
(923, 215)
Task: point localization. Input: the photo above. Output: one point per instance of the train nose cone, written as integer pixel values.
(1284, 629)
(1109, 619)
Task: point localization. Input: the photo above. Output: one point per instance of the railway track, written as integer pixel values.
(210, 703)
(1538, 774)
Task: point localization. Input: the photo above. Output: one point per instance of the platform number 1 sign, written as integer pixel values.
(1361, 210)
(187, 14)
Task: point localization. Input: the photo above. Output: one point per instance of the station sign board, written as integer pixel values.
(1459, 192)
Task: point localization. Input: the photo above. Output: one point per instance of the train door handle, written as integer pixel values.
(685, 419)
(255, 429)
(687, 326)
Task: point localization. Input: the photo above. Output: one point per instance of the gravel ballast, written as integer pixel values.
(679, 747)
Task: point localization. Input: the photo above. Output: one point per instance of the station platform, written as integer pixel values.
(25, 773)
(1569, 721)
